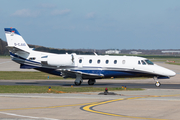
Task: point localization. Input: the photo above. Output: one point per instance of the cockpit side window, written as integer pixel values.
(139, 62)
(143, 62)
(149, 62)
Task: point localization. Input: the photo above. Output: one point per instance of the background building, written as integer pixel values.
(135, 52)
(112, 52)
(171, 52)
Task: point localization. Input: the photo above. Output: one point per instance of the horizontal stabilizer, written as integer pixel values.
(16, 50)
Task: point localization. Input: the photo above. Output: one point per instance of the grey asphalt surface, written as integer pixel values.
(146, 83)
(9, 65)
(152, 103)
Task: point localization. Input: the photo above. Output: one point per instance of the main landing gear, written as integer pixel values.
(158, 84)
(77, 83)
(79, 80)
(91, 81)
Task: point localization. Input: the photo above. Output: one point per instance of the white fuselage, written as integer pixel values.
(107, 66)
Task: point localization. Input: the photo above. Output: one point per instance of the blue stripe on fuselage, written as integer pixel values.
(48, 70)
(14, 55)
(118, 73)
(108, 73)
(23, 66)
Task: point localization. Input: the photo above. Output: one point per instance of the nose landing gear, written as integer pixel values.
(158, 84)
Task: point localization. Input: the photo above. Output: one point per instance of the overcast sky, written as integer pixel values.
(94, 24)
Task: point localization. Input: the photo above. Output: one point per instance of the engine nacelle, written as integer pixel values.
(60, 60)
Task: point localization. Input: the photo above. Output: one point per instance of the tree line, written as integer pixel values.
(4, 50)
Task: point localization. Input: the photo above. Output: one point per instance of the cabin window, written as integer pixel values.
(149, 62)
(80, 60)
(139, 62)
(90, 61)
(115, 61)
(32, 58)
(143, 62)
(98, 61)
(123, 62)
(107, 61)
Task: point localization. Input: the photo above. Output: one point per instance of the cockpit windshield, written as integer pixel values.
(149, 62)
(144, 63)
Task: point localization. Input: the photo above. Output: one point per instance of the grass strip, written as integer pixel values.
(5, 57)
(173, 63)
(23, 75)
(54, 89)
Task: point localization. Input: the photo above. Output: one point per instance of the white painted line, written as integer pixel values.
(27, 116)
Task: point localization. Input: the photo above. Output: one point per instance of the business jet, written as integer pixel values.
(82, 67)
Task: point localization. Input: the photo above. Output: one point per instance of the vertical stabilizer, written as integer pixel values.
(14, 39)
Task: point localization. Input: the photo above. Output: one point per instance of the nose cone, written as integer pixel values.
(167, 72)
(171, 73)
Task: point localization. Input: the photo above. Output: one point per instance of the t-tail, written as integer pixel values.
(16, 44)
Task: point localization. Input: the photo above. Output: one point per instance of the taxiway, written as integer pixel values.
(153, 103)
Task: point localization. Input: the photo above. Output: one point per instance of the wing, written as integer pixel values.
(85, 75)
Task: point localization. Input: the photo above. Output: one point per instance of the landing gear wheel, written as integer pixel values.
(91, 81)
(158, 84)
(77, 84)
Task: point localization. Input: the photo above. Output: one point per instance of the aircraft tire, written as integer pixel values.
(77, 84)
(91, 81)
(158, 84)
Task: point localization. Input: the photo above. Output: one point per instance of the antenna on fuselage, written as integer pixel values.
(95, 54)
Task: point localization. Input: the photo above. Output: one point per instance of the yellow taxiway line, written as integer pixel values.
(46, 107)
(89, 107)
